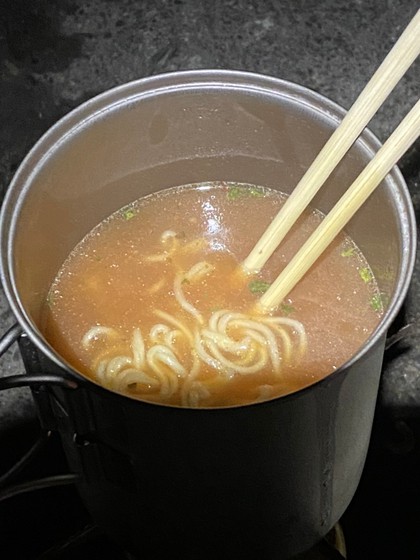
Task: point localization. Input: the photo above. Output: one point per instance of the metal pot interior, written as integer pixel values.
(176, 129)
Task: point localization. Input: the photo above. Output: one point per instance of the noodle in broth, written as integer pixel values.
(151, 304)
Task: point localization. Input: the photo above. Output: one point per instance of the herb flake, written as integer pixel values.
(376, 302)
(348, 252)
(128, 214)
(379, 301)
(286, 309)
(256, 192)
(236, 192)
(365, 274)
(258, 286)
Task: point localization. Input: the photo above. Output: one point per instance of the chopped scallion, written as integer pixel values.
(258, 286)
(237, 192)
(128, 214)
(256, 192)
(376, 302)
(348, 252)
(286, 308)
(365, 274)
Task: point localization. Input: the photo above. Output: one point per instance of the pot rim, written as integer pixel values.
(187, 81)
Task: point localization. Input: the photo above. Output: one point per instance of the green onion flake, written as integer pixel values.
(258, 286)
(128, 214)
(348, 252)
(256, 192)
(237, 192)
(376, 302)
(286, 308)
(365, 275)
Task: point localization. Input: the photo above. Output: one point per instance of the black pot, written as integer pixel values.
(262, 481)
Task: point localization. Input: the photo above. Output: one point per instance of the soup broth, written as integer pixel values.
(153, 304)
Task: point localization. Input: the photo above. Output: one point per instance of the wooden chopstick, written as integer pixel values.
(388, 155)
(396, 63)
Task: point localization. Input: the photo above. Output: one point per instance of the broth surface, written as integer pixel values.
(129, 275)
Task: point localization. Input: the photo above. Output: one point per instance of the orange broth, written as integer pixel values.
(123, 271)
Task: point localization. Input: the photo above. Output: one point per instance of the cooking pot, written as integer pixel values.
(260, 481)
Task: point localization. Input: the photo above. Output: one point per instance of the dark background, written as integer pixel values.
(56, 54)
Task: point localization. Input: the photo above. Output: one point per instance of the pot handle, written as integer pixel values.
(404, 332)
(10, 337)
(21, 380)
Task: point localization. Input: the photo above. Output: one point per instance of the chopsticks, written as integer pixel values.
(396, 63)
(388, 155)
